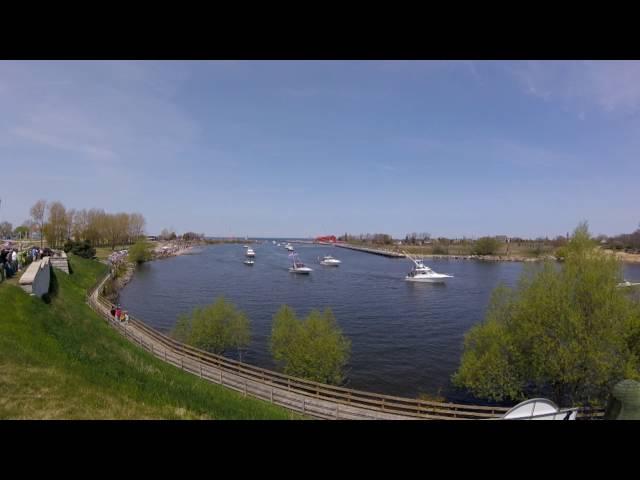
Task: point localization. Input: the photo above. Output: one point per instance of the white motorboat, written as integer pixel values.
(289, 247)
(329, 261)
(298, 267)
(250, 252)
(422, 273)
(249, 262)
(246, 246)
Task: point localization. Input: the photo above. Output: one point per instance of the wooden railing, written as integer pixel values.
(305, 396)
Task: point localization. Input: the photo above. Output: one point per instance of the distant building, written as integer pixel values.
(502, 238)
(327, 239)
(152, 238)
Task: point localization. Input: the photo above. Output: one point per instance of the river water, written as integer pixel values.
(406, 337)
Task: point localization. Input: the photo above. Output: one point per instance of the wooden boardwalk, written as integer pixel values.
(309, 398)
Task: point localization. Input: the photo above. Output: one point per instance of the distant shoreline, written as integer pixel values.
(622, 256)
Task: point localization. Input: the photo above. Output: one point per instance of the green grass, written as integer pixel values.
(61, 361)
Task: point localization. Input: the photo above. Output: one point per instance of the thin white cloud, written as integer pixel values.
(115, 111)
(609, 86)
(54, 141)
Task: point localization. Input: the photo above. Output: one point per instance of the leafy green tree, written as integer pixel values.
(566, 331)
(22, 231)
(140, 252)
(215, 328)
(314, 348)
(485, 246)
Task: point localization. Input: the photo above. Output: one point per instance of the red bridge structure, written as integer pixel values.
(327, 239)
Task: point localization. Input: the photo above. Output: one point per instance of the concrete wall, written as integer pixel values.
(37, 278)
(60, 261)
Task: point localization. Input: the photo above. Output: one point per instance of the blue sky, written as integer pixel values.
(291, 148)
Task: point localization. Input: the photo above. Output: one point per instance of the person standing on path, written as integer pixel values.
(3, 257)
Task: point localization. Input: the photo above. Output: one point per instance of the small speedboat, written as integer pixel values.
(298, 267)
(246, 246)
(249, 262)
(289, 247)
(422, 273)
(250, 252)
(329, 261)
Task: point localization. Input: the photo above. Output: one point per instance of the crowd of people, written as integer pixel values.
(170, 249)
(13, 260)
(118, 257)
(9, 264)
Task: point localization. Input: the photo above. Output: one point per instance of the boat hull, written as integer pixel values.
(427, 279)
(304, 271)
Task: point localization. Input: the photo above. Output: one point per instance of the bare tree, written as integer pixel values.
(56, 227)
(5, 229)
(136, 226)
(37, 214)
(71, 213)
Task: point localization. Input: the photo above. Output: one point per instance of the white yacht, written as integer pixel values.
(250, 252)
(329, 261)
(422, 273)
(289, 247)
(249, 262)
(298, 267)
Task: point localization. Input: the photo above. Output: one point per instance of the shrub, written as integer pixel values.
(566, 332)
(215, 328)
(82, 249)
(140, 252)
(440, 250)
(314, 349)
(485, 246)
(68, 245)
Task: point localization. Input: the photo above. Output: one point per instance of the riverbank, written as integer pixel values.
(421, 253)
(626, 257)
(400, 253)
(173, 248)
(62, 361)
(493, 258)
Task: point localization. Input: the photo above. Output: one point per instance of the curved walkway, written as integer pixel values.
(309, 398)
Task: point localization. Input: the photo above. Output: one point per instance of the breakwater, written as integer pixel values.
(375, 251)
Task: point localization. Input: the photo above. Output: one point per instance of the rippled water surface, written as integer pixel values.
(406, 337)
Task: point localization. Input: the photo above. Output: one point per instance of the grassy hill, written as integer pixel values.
(61, 361)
